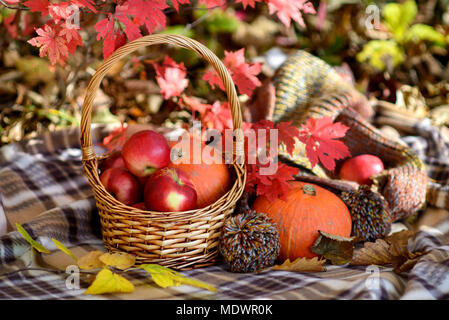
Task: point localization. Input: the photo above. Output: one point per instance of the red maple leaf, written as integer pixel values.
(38, 6)
(271, 186)
(218, 116)
(113, 38)
(245, 77)
(117, 40)
(171, 78)
(195, 105)
(213, 3)
(131, 14)
(72, 37)
(288, 10)
(51, 43)
(132, 30)
(105, 29)
(242, 73)
(148, 12)
(85, 3)
(176, 3)
(319, 137)
(262, 125)
(214, 80)
(285, 131)
(250, 3)
(60, 11)
(286, 134)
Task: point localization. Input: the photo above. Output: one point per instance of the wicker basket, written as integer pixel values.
(180, 240)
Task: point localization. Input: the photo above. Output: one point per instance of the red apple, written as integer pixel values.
(170, 189)
(115, 160)
(145, 152)
(361, 168)
(122, 185)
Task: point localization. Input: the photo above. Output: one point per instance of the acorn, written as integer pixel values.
(371, 217)
(250, 242)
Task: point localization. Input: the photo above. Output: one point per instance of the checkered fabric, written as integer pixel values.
(42, 187)
(433, 148)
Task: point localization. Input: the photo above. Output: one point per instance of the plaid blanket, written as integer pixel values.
(42, 187)
(433, 147)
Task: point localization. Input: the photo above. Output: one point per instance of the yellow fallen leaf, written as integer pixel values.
(302, 265)
(165, 277)
(36, 245)
(64, 249)
(90, 260)
(108, 282)
(119, 260)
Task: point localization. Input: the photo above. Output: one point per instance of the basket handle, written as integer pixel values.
(176, 40)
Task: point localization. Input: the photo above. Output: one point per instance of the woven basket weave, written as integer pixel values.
(180, 240)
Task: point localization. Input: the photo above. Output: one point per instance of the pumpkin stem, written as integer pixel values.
(309, 189)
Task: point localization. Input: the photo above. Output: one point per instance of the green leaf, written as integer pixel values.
(201, 10)
(4, 13)
(178, 29)
(222, 22)
(165, 277)
(54, 115)
(64, 249)
(398, 17)
(108, 282)
(375, 52)
(104, 115)
(423, 32)
(36, 245)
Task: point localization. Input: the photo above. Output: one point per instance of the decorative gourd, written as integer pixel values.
(308, 208)
(210, 177)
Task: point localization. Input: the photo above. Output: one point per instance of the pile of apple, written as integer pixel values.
(139, 176)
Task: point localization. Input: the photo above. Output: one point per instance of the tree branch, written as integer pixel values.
(196, 22)
(192, 8)
(13, 7)
(43, 270)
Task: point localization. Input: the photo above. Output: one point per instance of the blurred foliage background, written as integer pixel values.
(381, 45)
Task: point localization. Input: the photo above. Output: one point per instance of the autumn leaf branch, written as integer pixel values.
(110, 269)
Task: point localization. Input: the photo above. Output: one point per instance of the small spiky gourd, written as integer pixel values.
(250, 242)
(371, 218)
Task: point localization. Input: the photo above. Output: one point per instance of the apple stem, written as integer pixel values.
(176, 177)
(149, 170)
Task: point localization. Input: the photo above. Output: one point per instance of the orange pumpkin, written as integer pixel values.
(210, 177)
(308, 208)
